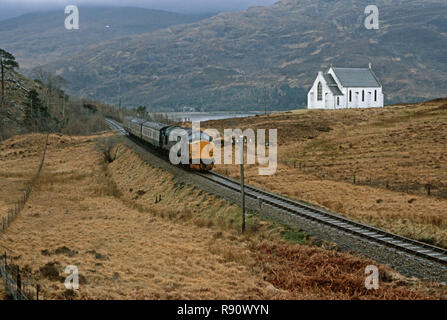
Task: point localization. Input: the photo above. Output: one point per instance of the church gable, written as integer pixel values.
(320, 87)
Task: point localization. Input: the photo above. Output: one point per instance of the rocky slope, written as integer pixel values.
(40, 37)
(226, 61)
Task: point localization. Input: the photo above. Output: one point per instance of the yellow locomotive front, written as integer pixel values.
(201, 152)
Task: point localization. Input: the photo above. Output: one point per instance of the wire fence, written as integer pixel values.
(433, 189)
(15, 287)
(11, 274)
(20, 203)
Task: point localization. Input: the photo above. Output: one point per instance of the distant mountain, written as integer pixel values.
(40, 37)
(226, 61)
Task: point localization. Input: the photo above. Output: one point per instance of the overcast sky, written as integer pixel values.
(10, 8)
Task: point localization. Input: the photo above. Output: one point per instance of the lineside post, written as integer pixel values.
(242, 183)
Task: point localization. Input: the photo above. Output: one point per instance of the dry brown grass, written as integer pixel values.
(19, 157)
(102, 217)
(315, 274)
(122, 252)
(3, 295)
(391, 153)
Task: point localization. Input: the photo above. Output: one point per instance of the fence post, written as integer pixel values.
(11, 215)
(428, 189)
(19, 284)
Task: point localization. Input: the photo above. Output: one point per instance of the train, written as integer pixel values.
(157, 134)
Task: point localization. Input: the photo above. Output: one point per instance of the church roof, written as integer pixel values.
(332, 84)
(356, 77)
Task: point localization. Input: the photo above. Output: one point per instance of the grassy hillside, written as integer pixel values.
(226, 61)
(386, 167)
(186, 246)
(40, 37)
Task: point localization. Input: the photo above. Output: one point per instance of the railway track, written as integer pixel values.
(115, 126)
(317, 215)
(321, 216)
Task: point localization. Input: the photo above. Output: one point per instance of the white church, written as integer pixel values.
(346, 88)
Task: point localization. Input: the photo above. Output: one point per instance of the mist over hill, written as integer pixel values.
(40, 37)
(236, 60)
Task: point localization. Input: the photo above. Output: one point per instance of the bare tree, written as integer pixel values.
(51, 84)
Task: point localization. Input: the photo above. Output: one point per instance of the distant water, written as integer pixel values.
(205, 116)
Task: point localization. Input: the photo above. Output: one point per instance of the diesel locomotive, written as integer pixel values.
(157, 135)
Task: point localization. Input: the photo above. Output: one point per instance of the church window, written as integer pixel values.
(320, 92)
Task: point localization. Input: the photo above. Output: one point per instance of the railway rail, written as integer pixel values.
(318, 215)
(321, 216)
(115, 126)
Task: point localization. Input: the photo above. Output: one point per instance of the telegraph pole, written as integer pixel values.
(242, 183)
